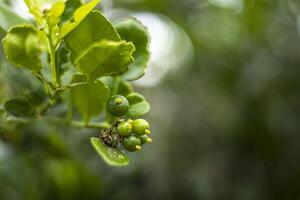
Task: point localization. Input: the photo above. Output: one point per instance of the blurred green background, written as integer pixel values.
(224, 84)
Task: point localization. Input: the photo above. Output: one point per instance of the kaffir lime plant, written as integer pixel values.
(86, 62)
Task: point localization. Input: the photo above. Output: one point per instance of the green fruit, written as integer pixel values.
(145, 139)
(118, 105)
(141, 127)
(132, 143)
(124, 128)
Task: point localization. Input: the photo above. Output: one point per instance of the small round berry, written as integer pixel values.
(132, 143)
(124, 128)
(141, 127)
(145, 139)
(118, 105)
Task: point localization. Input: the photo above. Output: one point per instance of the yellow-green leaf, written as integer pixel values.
(105, 58)
(55, 13)
(78, 16)
(21, 47)
(57, 9)
(93, 28)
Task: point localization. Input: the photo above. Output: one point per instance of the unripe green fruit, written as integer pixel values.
(132, 143)
(141, 127)
(124, 128)
(118, 105)
(145, 139)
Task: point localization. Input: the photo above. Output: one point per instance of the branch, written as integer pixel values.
(78, 124)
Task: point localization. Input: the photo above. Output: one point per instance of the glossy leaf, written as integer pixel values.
(138, 105)
(8, 18)
(90, 99)
(134, 98)
(21, 47)
(134, 31)
(78, 16)
(112, 157)
(94, 27)
(105, 58)
(19, 108)
(139, 109)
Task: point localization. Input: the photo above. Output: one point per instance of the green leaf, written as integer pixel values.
(138, 105)
(105, 58)
(21, 47)
(139, 109)
(57, 9)
(71, 6)
(90, 99)
(56, 12)
(134, 98)
(134, 31)
(19, 107)
(112, 157)
(78, 16)
(125, 88)
(94, 27)
(8, 18)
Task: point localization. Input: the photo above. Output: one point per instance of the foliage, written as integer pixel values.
(229, 120)
(73, 49)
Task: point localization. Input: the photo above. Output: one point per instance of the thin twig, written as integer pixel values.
(78, 124)
(44, 80)
(65, 87)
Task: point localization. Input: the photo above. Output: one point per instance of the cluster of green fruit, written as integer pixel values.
(132, 134)
(135, 133)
